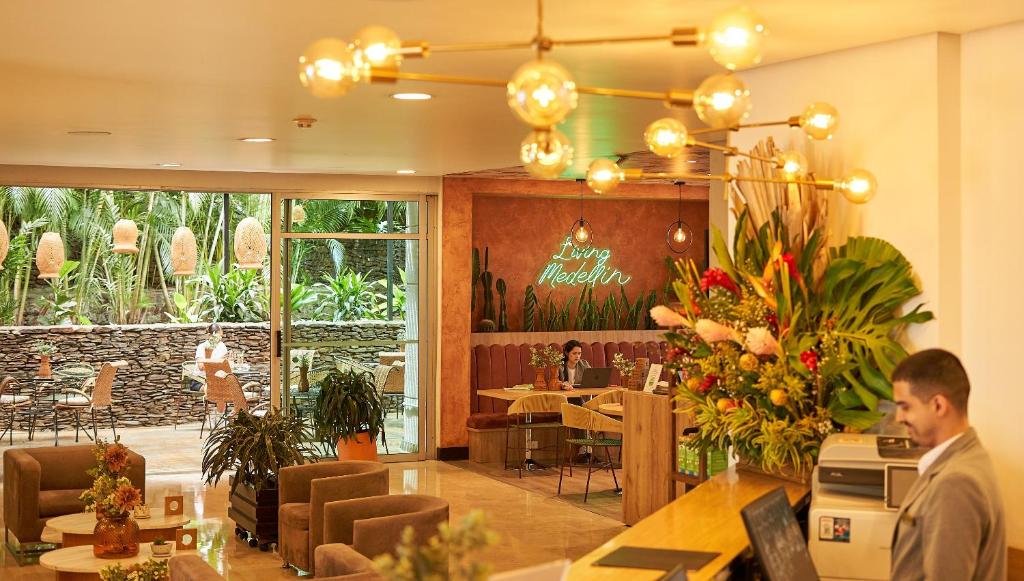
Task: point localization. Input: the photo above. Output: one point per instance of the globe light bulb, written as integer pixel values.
(736, 38)
(546, 153)
(666, 137)
(792, 164)
(327, 68)
(377, 47)
(542, 93)
(679, 235)
(858, 186)
(582, 235)
(722, 101)
(603, 175)
(819, 121)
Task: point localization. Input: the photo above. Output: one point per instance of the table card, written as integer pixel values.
(185, 539)
(652, 378)
(174, 505)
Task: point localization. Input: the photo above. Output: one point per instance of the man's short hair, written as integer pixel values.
(932, 372)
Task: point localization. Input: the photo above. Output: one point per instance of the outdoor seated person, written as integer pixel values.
(211, 349)
(570, 372)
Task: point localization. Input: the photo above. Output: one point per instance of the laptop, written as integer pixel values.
(594, 377)
(777, 539)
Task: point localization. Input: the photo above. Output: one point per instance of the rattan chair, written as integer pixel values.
(241, 397)
(11, 399)
(520, 418)
(610, 396)
(216, 393)
(594, 424)
(77, 401)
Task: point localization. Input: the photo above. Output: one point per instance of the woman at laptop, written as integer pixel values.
(571, 371)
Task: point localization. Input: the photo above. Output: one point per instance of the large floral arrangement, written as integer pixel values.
(151, 570)
(112, 493)
(788, 340)
(446, 555)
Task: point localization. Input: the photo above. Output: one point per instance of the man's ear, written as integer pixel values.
(941, 405)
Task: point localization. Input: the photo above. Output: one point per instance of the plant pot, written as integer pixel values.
(553, 383)
(540, 380)
(163, 550)
(44, 367)
(303, 379)
(254, 512)
(115, 537)
(787, 472)
(362, 447)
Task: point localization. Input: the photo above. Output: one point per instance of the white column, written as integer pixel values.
(410, 436)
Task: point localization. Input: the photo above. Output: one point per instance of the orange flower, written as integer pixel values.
(126, 497)
(116, 458)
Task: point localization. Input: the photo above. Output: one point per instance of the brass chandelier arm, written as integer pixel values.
(731, 151)
(726, 178)
(792, 122)
(678, 37)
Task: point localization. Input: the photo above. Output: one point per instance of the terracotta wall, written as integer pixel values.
(524, 235)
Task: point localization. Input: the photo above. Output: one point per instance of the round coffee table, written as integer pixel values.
(79, 564)
(76, 529)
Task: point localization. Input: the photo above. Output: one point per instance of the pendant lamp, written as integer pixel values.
(298, 214)
(581, 235)
(679, 234)
(125, 235)
(250, 244)
(50, 255)
(183, 252)
(5, 243)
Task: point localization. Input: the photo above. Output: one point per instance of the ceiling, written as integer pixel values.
(182, 81)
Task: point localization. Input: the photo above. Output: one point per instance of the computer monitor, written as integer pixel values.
(776, 538)
(595, 377)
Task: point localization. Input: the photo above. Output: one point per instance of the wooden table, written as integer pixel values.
(79, 564)
(706, 519)
(610, 409)
(77, 529)
(514, 394)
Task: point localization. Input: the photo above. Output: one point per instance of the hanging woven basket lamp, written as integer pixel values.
(298, 214)
(50, 255)
(125, 235)
(250, 244)
(184, 252)
(5, 244)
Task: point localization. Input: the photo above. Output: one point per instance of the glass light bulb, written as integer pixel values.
(666, 137)
(377, 46)
(858, 186)
(736, 38)
(722, 100)
(327, 68)
(546, 153)
(542, 93)
(792, 164)
(603, 175)
(679, 235)
(582, 234)
(819, 121)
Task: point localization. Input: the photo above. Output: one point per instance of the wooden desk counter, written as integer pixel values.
(705, 519)
(514, 394)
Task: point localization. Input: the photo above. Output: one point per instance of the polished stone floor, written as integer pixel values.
(534, 526)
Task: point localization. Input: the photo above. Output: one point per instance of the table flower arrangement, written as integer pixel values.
(547, 357)
(151, 570)
(112, 497)
(625, 367)
(787, 340)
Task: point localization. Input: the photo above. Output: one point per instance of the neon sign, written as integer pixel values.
(591, 270)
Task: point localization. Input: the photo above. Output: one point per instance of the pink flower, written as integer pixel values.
(761, 342)
(712, 332)
(667, 317)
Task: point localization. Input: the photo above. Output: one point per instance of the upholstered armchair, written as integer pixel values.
(194, 568)
(304, 490)
(356, 531)
(41, 483)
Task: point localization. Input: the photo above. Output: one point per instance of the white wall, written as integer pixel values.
(935, 118)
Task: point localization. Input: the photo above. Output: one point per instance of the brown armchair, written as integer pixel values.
(302, 493)
(358, 530)
(194, 568)
(41, 483)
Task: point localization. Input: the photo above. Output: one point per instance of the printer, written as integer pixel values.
(856, 491)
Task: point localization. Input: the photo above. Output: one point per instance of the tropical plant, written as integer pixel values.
(397, 294)
(502, 288)
(529, 309)
(349, 296)
(44, 348)
(18, 257)
(302, 299)
(185, 311)
(446, 555)
(348, 403)
(150, 570)
(240, 296)
(63, 309)
(255, 448)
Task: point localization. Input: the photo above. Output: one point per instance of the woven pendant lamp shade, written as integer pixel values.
(298, 214)
(5, 243)
(125, 235)
(183, 252)
(50, 255)
(250, 244)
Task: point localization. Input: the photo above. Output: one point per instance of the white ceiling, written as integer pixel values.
(181, 81)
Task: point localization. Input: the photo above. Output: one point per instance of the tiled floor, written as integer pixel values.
(534, 527)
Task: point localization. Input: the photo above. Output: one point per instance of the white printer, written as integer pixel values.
(856, 492)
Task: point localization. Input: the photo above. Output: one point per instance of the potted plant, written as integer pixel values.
(554, 358)
(539, 362)
(161, 548)
(625, 367)
(251, 450)
(303, 358)
(350, 412)
(45, 351)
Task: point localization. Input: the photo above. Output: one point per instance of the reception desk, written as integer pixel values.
(705, 519)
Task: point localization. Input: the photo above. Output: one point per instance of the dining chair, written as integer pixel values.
(13, 400)
(216, 394)
(77, 401)
(521, 420)
(242, 397)
(595, 425)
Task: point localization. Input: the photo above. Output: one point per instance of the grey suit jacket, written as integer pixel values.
(951, 525)
(563, 372)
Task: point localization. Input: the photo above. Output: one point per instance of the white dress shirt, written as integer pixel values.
(219, 352)
(932, 455)
(571, 372)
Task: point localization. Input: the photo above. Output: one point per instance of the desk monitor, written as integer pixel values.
(595, 377)
(776, 538)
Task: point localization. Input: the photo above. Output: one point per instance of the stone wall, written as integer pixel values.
(149, 391)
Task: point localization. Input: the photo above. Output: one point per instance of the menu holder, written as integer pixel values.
(174, 505)
(652, 378)
(185, 539)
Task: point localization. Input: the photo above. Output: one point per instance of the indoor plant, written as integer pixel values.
(252, 450)
(626, 368)
(45, 351)
(554, 359)
(113, 497)
(151, 570)
(446, 555)
(539, 362)
(349, 414)
(161, 548)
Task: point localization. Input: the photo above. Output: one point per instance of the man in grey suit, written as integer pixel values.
(951, 524)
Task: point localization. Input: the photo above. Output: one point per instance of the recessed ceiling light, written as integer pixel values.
(256, 139)
(406, 171)
(169, 164)
(88, 133)
(412, 96)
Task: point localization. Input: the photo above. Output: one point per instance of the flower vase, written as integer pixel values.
(540, 381)
(44, 367)
(303, 379)
(115, 537)
(553, 383)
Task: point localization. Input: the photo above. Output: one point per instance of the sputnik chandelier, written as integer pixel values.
(542, 94)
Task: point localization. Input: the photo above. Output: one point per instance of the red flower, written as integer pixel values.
(773, 321)
(705, 386)
(676, 353)
(116, 458)
(716, 277)
(791, 263)
(810, 360)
